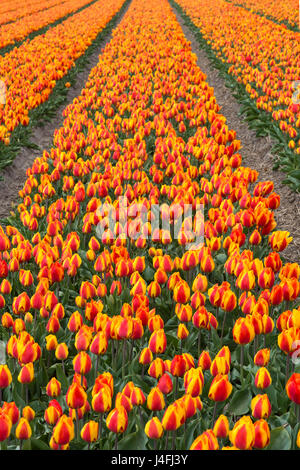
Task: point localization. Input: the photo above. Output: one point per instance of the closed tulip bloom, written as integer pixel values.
(63, 431)
(82, 363)
(76, 396)
(262, 357)
(206, 441)
(242, 435)
(75, 322)
(171, 418)
(262, 434)
(243, 330)
(117, 420)
(155, 323)
(181, 292)
(293, 388)
(220, 388)
(137, 397)
(89, 432)
(51, 342)
(157, 368)
(178, 366)
(52, 413)
(155, 400)
(262, 378)
(182, 331)
(154, 428)
(26, 374)
(165, 384)
(158, 341)
(11, 409)
(53, 387)
(221, 427)
(246, 280)
(261, 406)
(61, 351)
(99, 343)
(279, 240)
(5, 426)
(23, 430)
(204, 360)
(228, 301)
(102, 400)
(28, 413)
(5, 376)
(123, 400)
(193, 382)
(219, 366)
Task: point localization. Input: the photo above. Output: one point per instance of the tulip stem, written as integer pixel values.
(199, 342)
(77, 424)
(100, 426)
(223, 324)
(242, 362)
(287, 367)
(116, 442)
(123, 358)
(167, 439)
(214, 414)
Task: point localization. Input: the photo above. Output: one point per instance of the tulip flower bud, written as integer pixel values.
(242, 435)
(204, 360)
(206, 441)
(221, 427)
(53, 388)
(61, 351)
(262, 357)
(154, 428)
(155, 400)
(26, 374)
(220, 388)
(243, 330)
(5, 376)
(262, 378)
(102, 400)
(171, 418)
(261, 406)
(23, 430)
(63, 432)
(117, 420)
(76, 396)
(89, 432)
(82, 363)
(293, 388)
(219, 365)
(137, 397)
(165, 384)
(11, 409)
(158, 341)
(28, 413)
(146, 356)
(262, 434)
(5, 426)
(157, 368)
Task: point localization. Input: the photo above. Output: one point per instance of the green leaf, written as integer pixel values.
(134, 441)
(240, 402)
(279, 439)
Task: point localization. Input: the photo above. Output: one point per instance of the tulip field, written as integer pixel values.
(145, 300)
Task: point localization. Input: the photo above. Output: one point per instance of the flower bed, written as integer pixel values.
(124, 333)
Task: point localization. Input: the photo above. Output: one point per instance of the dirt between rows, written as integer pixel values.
(256, 151)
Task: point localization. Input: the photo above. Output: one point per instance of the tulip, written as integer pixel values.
(220, 388)
(53, 388)
(23, 430)
(28, 413)
(12, 411)
(262, 357)
(117, 421)
(82, 363)
(158, 341)
(262, 434)
(26, 374)
(155, 400)
(157, 368)
(171, 418)
(5, 377)
(154, 428)
(242, 435)
(221, 427)
(206, 441)
(5, 426)
(165, 384)
(261, 407)
(293, 388)
(262, 378)
(63, 431)
(204, 360)
(89, 432)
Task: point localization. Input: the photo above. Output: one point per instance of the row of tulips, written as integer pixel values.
(265, 70)
(19, 29)
(32, 70)
(286, 12)
(123, 335)
(9, 13)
